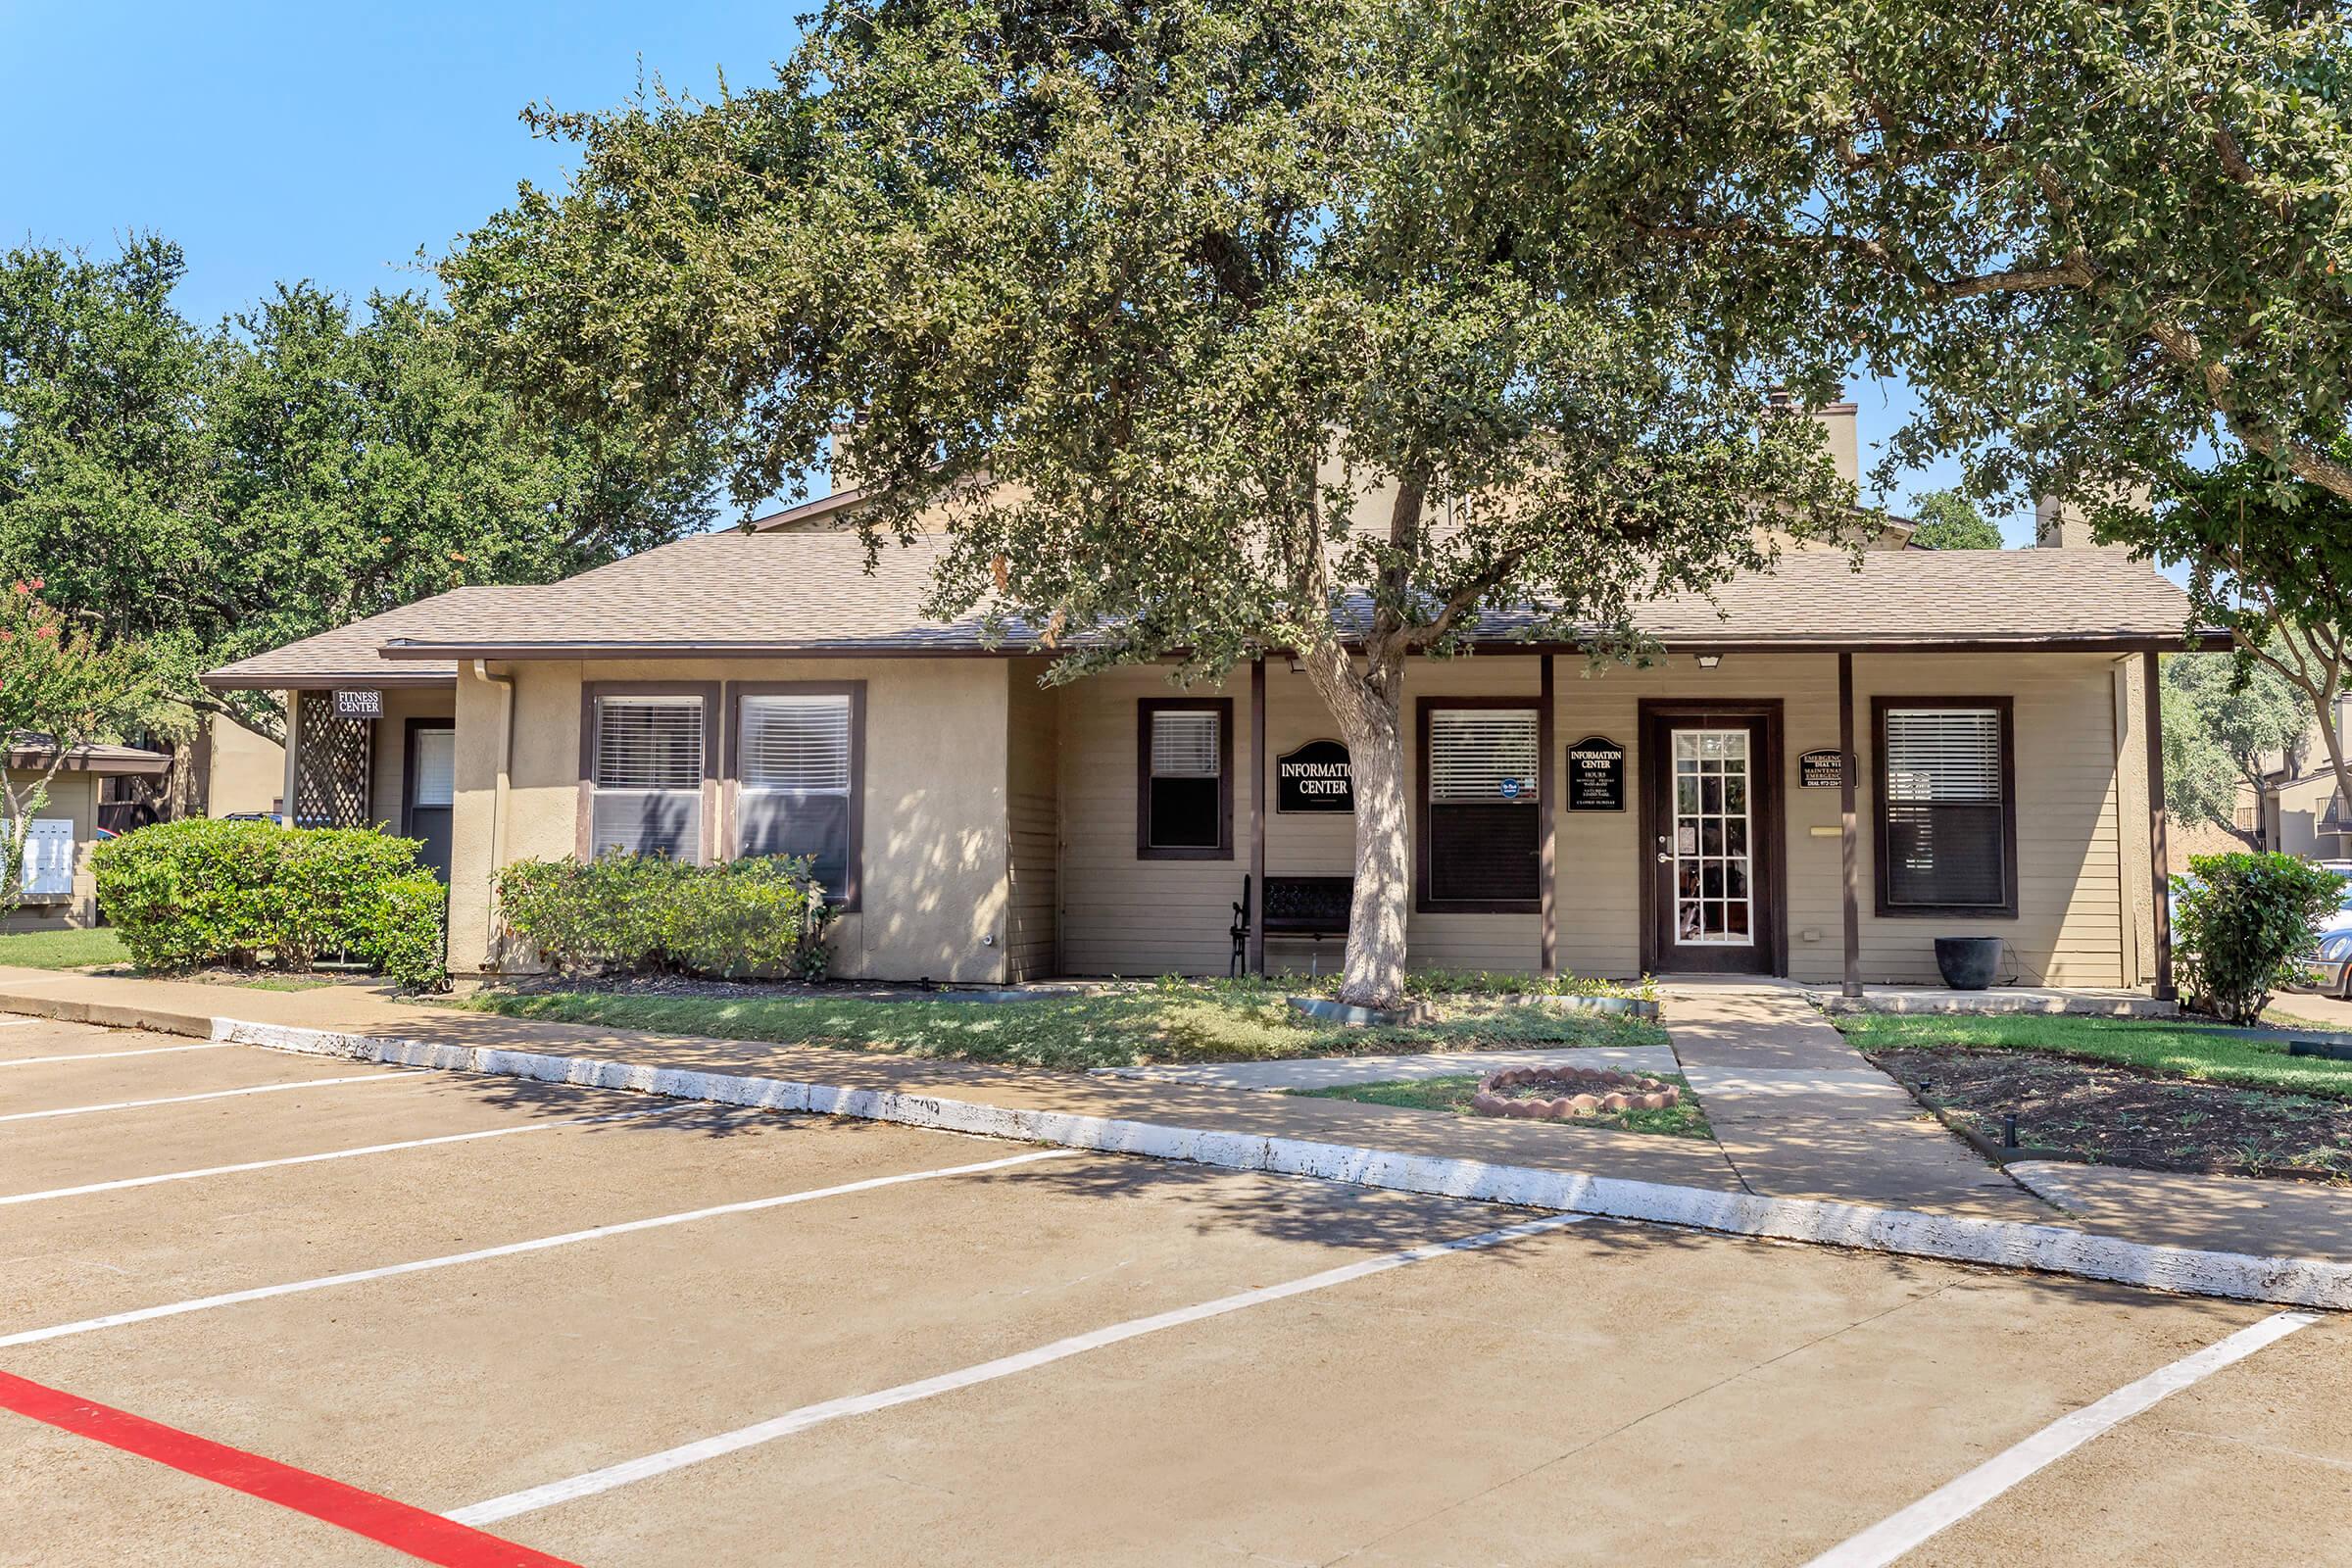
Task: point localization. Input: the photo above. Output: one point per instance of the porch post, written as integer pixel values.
(1848, 840)
(1549, 958)
(293, 702)
(2151, 696)
(1257, 956)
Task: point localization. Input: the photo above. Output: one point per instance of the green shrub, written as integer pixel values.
(738, 920)
(2243, 923)
(197, 892)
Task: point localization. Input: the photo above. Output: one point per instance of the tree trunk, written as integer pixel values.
(1368, 707)
(2330, 717)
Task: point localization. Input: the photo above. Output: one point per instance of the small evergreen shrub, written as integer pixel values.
(2242, 925)
(249, 894)
(759, 918)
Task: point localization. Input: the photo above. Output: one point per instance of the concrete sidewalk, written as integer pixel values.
(1799, 1113)
(1848, 1170)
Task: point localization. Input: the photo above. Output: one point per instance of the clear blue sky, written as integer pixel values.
(333, 142)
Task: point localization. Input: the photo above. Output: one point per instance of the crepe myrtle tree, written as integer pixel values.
(60, 689)
(2091, 236)
(1168, 311)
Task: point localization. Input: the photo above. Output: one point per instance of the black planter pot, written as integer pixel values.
(1968, 964)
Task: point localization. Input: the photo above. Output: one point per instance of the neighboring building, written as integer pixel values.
(761, 691)
(59, 889)
(2298, 808)
(244, 773)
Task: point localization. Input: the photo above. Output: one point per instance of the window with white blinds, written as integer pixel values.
(647, 776)
(1480, 777)
(1483, 754)
(795, 771)
(436, 764)
(1943, 810)
(1184, 798)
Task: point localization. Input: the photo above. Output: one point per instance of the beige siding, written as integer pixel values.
(1130, 916)
(1032, 795)
(933, 892)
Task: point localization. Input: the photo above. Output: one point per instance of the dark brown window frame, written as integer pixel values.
(1145, 708)
(2006, 707)
(1423, 904)
(712, 693)
(853, 892)
(407, 770)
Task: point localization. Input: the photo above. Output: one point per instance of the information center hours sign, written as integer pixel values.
(1596, 775)
(1316, 778)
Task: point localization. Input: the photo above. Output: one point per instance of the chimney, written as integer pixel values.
(2060, 525)
(1837, 421)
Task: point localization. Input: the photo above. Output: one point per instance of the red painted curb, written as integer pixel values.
(424, 1535)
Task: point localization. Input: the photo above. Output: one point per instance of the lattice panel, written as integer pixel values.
(333, 763)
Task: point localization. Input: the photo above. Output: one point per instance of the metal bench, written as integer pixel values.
(1311, 907)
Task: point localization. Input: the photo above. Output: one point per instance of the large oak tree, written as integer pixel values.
(1205, 338)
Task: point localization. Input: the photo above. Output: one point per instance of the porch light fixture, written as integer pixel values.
(1709, 661)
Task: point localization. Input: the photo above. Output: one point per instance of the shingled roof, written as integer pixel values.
(350, 655)
(785, 593)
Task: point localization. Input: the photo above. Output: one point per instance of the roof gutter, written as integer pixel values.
(229, 680)
(2208, 641)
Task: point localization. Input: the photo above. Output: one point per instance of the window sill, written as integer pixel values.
(1223, 854)
(1948, 912)
(1478, 907)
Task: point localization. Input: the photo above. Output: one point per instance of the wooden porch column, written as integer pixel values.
(1849, 844)
(1546, 858)
(293, 700)
(2159, 876)
(1256, 958)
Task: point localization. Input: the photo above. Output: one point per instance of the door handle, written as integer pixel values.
(1664, 858)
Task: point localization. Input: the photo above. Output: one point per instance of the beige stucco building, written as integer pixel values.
(59, 891)
(1830, 768)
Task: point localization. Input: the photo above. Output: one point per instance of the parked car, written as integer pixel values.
(2329, 970)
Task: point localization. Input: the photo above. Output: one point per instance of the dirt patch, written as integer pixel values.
(2119, 1117)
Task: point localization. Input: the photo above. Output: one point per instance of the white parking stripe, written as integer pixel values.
(109, 1055)
(333, 1154)
(1948, 1504)
(394, 1077)
(812, 1415)
(263, 1293)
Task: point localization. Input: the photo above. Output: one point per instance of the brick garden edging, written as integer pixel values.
(1960, 1238)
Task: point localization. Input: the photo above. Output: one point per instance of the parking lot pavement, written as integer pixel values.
(697, 1336)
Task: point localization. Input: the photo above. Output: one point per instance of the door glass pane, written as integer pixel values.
(1710, 837)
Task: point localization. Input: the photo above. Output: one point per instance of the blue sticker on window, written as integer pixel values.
(1510, 789)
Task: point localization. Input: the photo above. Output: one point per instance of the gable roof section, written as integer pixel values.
(781, 593)
(351, 656)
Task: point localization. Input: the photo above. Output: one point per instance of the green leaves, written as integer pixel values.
(196, 892)
(1161, 313)
(216, 494)
(2245, 919)
(738, 920)
(2088, 234)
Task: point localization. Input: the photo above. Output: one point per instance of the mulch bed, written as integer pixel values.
(2114, 1116)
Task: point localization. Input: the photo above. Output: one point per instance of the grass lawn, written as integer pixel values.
(1172, 1021)
(1453, 1093)
(63, 950)
(2206, 1052)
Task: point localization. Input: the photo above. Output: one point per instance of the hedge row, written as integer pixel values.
(248, 894)
(739, 919)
